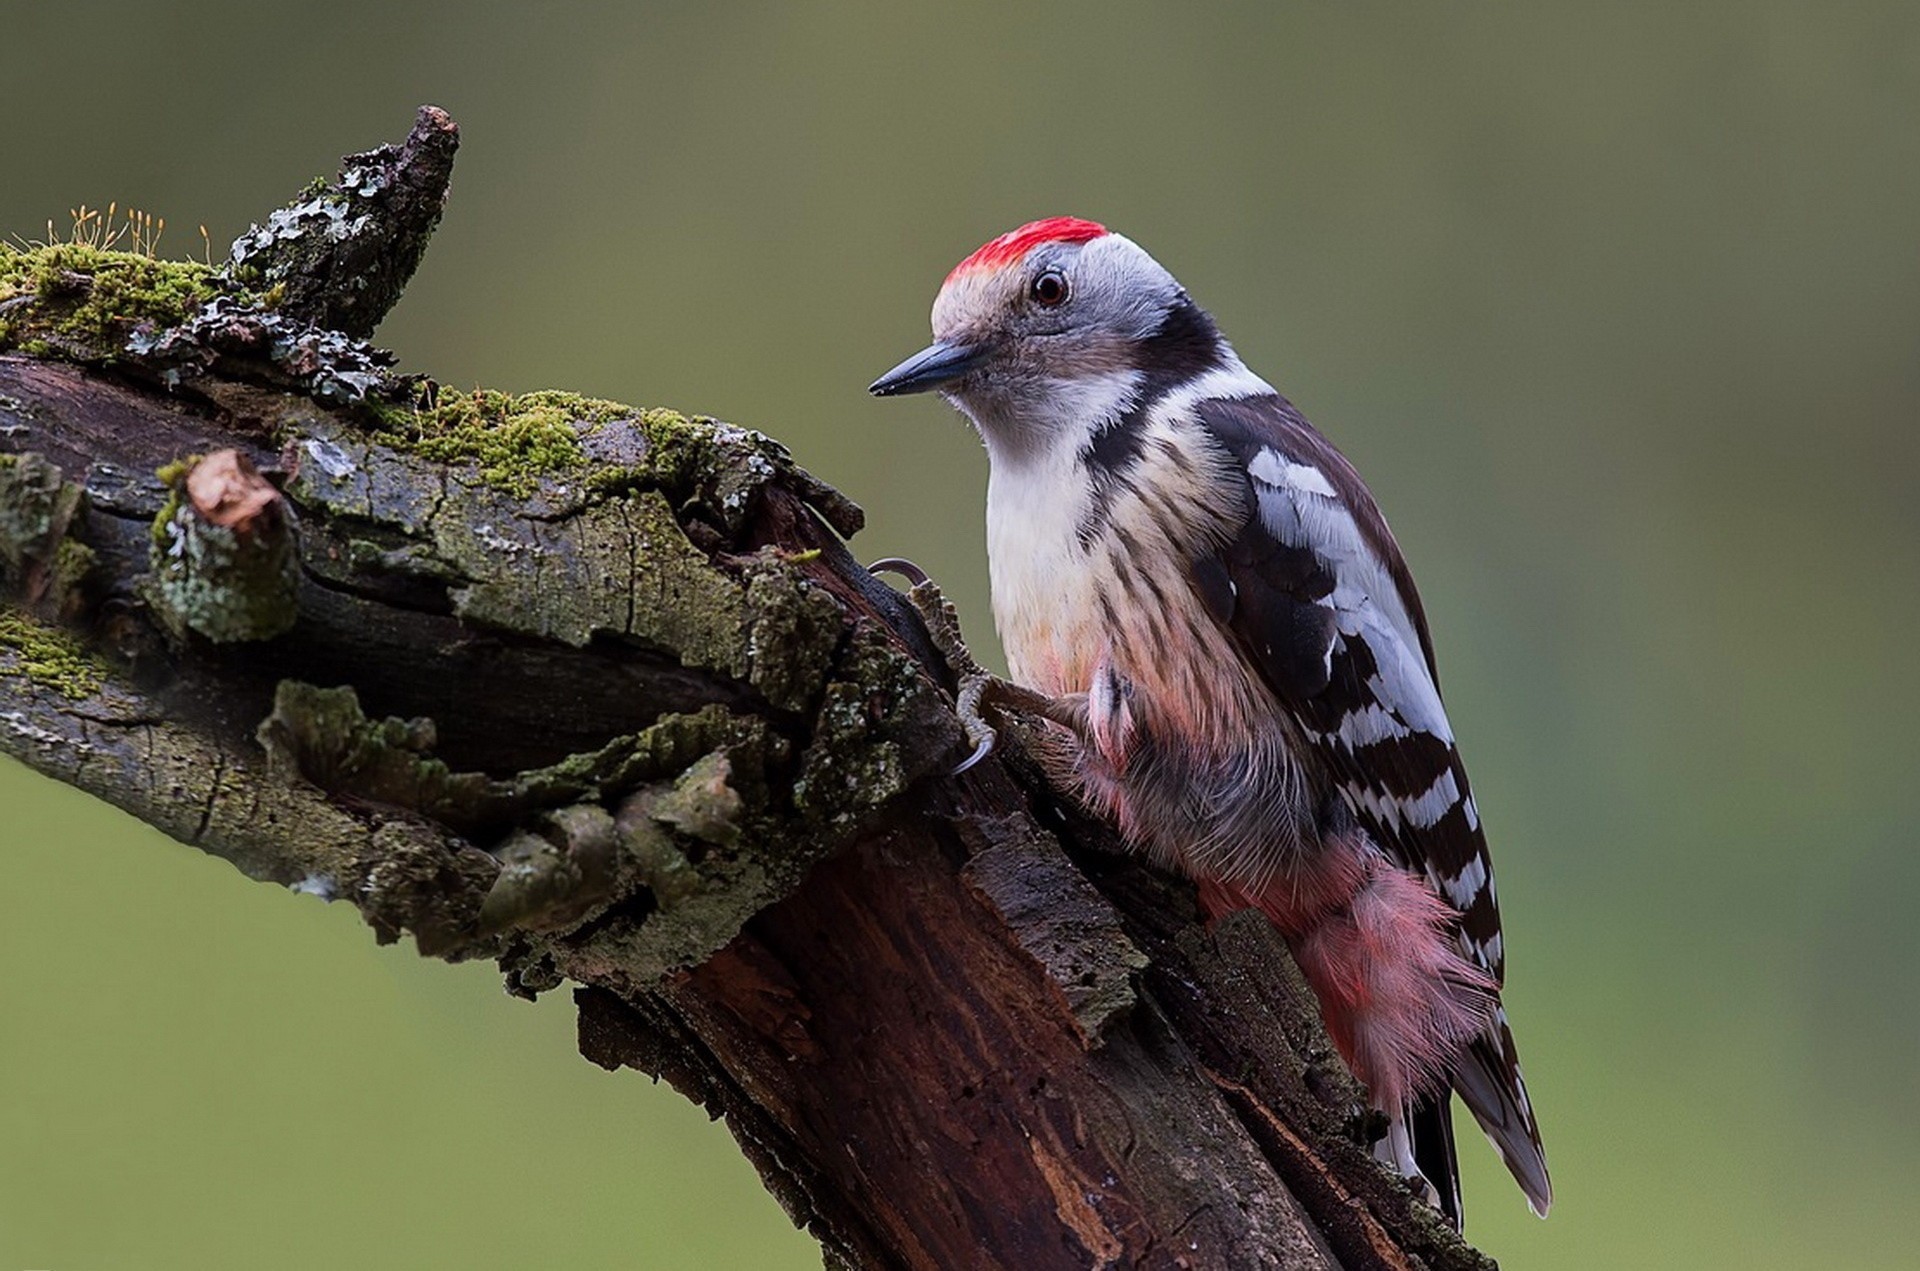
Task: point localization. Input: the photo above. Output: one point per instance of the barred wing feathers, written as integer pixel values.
(1321, 600)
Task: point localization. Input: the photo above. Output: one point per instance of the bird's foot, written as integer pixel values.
(979, 690)
(943, 622)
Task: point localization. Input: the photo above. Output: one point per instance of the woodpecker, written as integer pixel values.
(1198, 588)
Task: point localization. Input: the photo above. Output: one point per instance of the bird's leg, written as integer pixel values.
(1395, 1151)
(979, 690)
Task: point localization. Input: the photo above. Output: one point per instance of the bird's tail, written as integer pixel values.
(1399, 999)
(1489, 1081)
(1439, 1017)
(1430, 1125)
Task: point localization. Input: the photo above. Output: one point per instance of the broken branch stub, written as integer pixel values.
(224, 563)
(342, 252)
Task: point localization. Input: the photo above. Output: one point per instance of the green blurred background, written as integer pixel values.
(1618, 308)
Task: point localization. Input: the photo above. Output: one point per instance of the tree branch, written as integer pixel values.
(598, 693)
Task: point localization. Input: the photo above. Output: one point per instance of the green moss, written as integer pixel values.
(601, 449)
(681, 454)
(49, 656)
(514, 440)
(679, 450)
(174, 477)
(89, 299)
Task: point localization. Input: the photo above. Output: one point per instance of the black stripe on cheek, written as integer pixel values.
(1185, 346)
(1110, 456)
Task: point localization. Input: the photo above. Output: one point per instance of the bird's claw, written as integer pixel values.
(980, 752)
(967, 707)
(915, 576)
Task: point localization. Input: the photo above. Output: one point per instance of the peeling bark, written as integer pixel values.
(598, 693)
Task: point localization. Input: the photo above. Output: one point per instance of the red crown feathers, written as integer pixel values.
(1014, 244)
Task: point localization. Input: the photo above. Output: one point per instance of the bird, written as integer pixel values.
(1201, 594)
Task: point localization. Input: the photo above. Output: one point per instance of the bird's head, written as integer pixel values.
(1048, 328)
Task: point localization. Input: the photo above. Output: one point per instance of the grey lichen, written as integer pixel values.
(240, 331)
(322, 736)
(793, 631)
(554, 874)
(340, 254)
(37, 505)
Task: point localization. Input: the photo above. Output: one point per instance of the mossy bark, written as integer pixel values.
(598, 693)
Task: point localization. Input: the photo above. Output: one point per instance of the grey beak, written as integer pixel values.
(939, 363)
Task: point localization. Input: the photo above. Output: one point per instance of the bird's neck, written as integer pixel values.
(1038, 424)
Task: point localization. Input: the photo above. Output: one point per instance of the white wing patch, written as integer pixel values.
(1299, 506)
(1297, 478)
(1383, 808)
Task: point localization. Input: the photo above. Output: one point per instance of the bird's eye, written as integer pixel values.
(1050, 288)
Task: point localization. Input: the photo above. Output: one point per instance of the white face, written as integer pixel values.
(1059, 329)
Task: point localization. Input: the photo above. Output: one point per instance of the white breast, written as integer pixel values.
(1043, 602)
(1043, 599)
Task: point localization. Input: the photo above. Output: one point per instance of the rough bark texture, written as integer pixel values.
(598, 693)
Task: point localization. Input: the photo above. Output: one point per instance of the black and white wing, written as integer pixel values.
(1322, 601)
